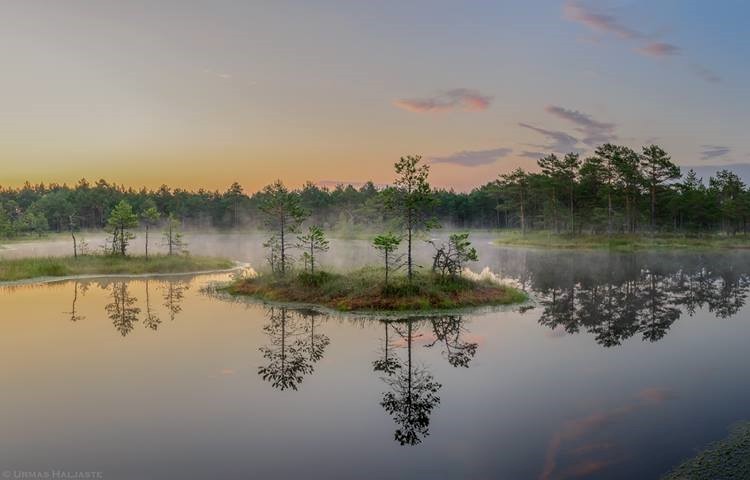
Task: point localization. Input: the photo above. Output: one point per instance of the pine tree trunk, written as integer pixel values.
(572, 216)
(653, 207)
(523, 216)
(283, 249)
(609, 213)
(408, 253)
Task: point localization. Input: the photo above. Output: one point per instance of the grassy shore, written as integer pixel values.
(621, 242)
(25, 268)
(729, 458)
(364, 290)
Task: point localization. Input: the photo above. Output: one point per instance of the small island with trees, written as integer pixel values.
(393, 285)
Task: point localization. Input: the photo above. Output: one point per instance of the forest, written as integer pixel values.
(615, 190)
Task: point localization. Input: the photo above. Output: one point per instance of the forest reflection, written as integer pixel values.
(615, 297)
(123, 308)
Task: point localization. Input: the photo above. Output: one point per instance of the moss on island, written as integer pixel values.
(364, 290)
(28, 268)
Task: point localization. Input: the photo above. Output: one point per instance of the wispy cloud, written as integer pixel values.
(601, 22)
(474, 158)
(222, 75)
(464, 99)
(594, 132)
(558, 142)
(706, 73)
(609, 24)
(531, 154)
(714, 151)
(659, 49)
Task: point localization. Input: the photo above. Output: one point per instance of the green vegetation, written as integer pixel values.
(614, 191)
(729, 458)
(364, 290)
(173, 236)
(622, 242)
(149, 215)
(620, 191)
(26, 268)
(312, 243)
(283, 216)
(387, 246)
(410, 199)
(450, 258)
(119, 224)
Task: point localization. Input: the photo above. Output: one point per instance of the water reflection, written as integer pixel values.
(174, 293)
(293, 348)
(296, 342)
(413, 390)
(615, 297)
(124, 309)
(449, 332)
(151, 319)
(412, 393)
(73, 313)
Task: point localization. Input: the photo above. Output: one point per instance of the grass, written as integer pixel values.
(729, 458)
(623, 242)
(364, 290)
(26, 268)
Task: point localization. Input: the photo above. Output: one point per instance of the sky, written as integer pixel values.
(203, 93)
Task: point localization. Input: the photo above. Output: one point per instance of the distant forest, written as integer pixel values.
(615, 190)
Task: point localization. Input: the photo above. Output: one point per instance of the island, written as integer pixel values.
(364, 290)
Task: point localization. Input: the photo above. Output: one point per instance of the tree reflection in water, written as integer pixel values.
(448, 332)
(73, 313)
(151, 319)
(174, 293)
(295, 346)
(388, 364)
(122, 310)
(413, 391)
(615, 297)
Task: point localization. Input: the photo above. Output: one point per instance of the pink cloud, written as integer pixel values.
(578, 429)
(597, 21)
(456, 99)
(655, 395)
(659, 49)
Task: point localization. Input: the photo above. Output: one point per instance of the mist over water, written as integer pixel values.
(621, 355)
(245, 247)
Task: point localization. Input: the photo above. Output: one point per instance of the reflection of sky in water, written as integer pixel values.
(156, 380)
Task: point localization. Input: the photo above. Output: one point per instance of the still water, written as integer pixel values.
(626, 365)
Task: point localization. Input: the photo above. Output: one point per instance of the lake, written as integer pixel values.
(622, 366)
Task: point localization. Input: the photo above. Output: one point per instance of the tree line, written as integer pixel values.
(615, 190)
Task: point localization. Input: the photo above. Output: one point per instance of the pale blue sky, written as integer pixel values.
(206, 92)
